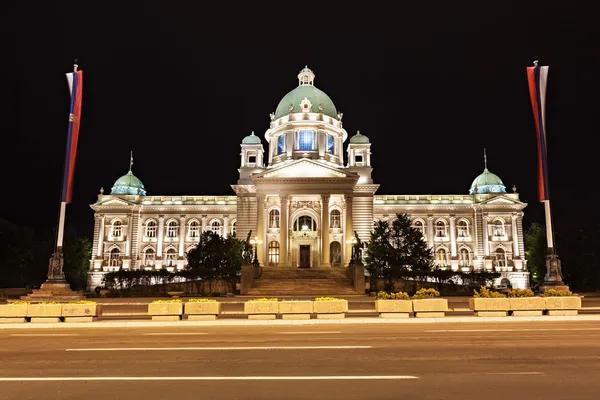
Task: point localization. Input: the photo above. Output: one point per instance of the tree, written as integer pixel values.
(397, 250)
(77, 255)
(535, 252)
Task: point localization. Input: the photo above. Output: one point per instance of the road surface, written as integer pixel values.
(553, 360)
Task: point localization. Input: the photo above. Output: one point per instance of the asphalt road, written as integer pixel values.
(554, 360)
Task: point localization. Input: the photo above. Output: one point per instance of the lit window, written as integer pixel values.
(194, 229)
(280, 144)
(463, 228)
(115, 257)
(418, 225)
(440, 229)
(305, 223)
(149, 256)
(215, 227)
(498, 228)
(274, 219)
(117, 228)
(172, 229)
(500, 258)
(335, 221)
(442, 260)
(170, 257)
(330, 144)
(273, 253)
(151, 229)
(465, 257)
(306, 140)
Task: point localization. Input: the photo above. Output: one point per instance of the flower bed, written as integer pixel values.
(202, 309)
(393, 305)
(487, 303)
(330, 308)
(296, 309)
(166, 310)
(264, 308)
(44, 312)
(426, 304)
(559, 302)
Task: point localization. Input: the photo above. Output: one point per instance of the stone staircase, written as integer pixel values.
(278, 281)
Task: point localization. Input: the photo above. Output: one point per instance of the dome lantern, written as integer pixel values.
(306, 77)
(129, 184)
(487, 182)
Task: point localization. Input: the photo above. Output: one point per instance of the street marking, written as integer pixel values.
(44, 334)
(514, 373)
(308, 333)
(512, 330)
(211, 378)
(221, 348)
(174, 333)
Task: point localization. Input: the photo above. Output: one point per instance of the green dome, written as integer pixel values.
(359, 139)
(315, 96)
(251, 139)
(487, 182)
(128, 184)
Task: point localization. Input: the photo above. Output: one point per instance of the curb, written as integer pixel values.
(244, 322)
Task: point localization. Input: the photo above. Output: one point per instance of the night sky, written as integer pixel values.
(182, 85)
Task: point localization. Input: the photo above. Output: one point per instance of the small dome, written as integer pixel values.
(128, 184)
(291, 102)
(251, 139)
(487, 182)
(359, 139)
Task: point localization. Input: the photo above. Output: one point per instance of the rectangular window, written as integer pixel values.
(306, 140)
(330, 144)
(358, 159)
(251, 159)
(280, 144)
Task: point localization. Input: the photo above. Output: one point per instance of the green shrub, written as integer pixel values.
(556, 293)
(487, 294)
(392, 296)
(263, 299)
(167, 301)
(202, 301)
(426, 294)
(521, 293)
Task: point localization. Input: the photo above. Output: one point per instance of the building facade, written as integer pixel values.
(302, 198)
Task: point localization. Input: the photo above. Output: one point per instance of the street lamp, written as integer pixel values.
(255, 242)
(352, 241)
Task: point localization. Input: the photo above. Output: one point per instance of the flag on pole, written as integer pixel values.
(538, 77)
(75, 81)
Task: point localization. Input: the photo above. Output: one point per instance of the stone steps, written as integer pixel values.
(302, 281)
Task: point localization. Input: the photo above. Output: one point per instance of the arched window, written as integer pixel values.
(335, 254)
(149, 256)
(498, 228)
(440, 229)
(171, 257)
(418, 225)
(335, 220)
(463, 228)
(280, 144)
(441, 257)
(117, 228)
(305, 223)
(233, 227)
(330, 144)
(464, 257)
(500, 257)
(115, 257)
(172, 229)
(194, 229)
(215, 227)
(151, 228)
(274, 218)
(273, 253)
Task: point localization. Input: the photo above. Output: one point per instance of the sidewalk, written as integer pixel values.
(280, 322)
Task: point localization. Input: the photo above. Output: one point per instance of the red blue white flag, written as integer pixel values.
(538, 77)
(75, 81)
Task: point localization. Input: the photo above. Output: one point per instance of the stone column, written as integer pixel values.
(260, 226)
(349, 227)
(325, 229)
(430, 232)
(515, 236)
(453, 235)
(101, 237)
(225, 226)
(486, 235)
(203, 223)
(161, 232)
(128, 222)
(181, 234)
(283, 231)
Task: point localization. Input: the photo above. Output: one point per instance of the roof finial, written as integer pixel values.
(75, 65)
(535, 61)
(484, 159)
(130, 161)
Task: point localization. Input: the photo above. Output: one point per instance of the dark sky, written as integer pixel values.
(182, 85)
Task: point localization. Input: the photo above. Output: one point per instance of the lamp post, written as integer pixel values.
(255, 242)
(352, 241)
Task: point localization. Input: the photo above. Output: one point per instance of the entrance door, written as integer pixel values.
(304, 256)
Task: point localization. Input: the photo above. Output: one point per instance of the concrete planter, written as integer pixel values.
(489, 307)
(203, 311)
(331, 309)
(11, 313)
(563, 305)
(527, 306)
(394, 308)
(430, 308)
(261, 309)
(165, 311)
(296, 309)
(44, 312)
(79, 312)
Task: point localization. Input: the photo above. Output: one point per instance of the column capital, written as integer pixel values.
(161, 218)
(98, 216)
(452, 217)
(514, 216)
(204, 217)
(430, 217)
(182, 218)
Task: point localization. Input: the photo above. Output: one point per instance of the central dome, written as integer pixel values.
(306, 90)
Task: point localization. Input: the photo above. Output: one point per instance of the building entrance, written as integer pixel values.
(304, 256)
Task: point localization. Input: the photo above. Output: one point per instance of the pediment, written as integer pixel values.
(500, 200)
(114, 202)
(304, 169)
